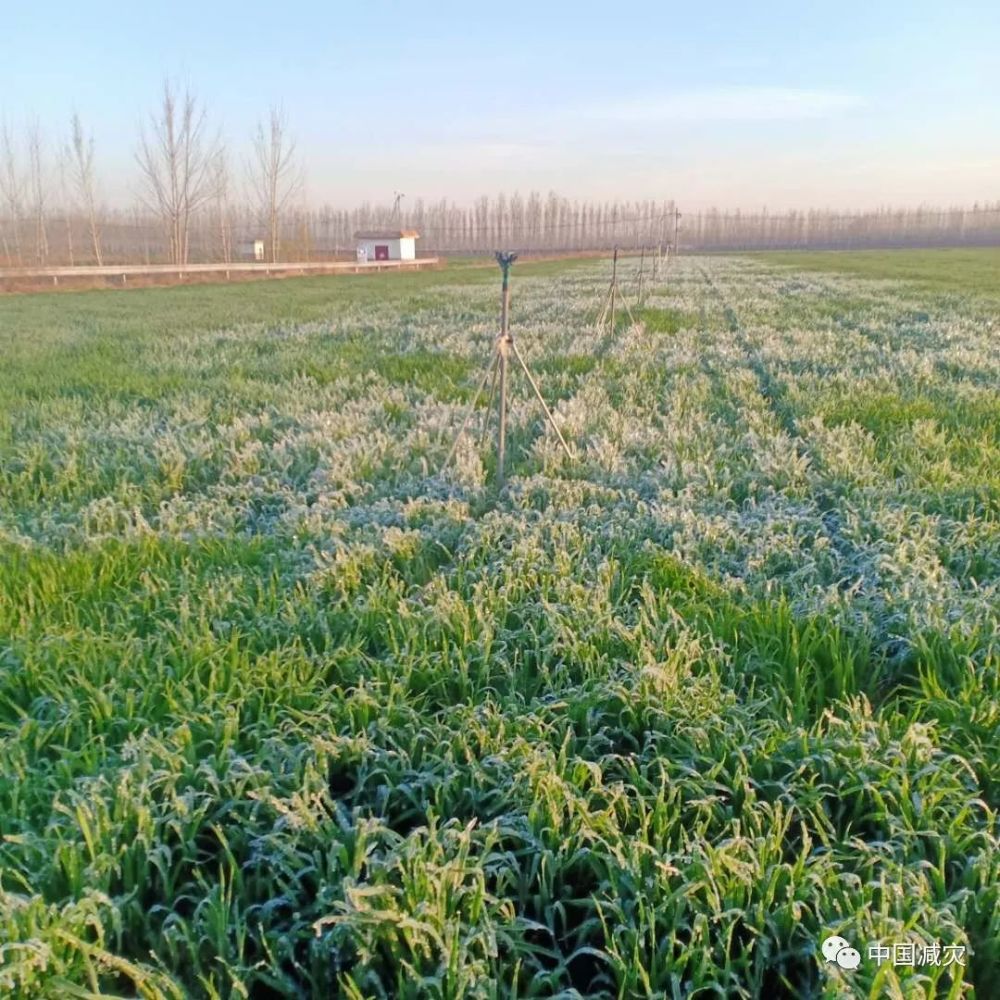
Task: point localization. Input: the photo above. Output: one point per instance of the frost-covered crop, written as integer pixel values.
(287, 710)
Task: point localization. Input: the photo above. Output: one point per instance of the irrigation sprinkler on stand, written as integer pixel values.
(611, 300)
(497, 374)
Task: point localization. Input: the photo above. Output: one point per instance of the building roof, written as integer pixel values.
(387, 234)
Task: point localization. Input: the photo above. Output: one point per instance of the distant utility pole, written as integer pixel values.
(677, 217)
(398, 196)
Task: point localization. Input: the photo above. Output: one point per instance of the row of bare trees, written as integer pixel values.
(555, 224)
(23, 190)
(184, 168)
(193, 203)
(976, 225)
(185, 182)
(221, 231)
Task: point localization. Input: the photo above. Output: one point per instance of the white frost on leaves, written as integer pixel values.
(836, 447)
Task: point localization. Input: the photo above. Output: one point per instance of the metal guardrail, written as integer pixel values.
(40, 275)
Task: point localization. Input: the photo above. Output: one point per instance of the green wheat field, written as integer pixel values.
(287, 711)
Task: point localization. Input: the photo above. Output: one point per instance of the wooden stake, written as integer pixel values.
(631, 318)
(614, 287)
(469, 412)
(604, 310)
(502, 428)
(541, 399)
(489, 402)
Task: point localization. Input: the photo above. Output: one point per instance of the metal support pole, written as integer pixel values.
(497, 374)
(505, 301)
(503, 349)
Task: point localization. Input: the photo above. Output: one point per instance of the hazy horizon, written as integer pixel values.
(730, 108)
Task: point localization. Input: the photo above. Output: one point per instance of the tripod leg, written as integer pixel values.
(538, 393)
(604, 311)
(629, 311)
(470, 411)
(503, 360)
(489, 405)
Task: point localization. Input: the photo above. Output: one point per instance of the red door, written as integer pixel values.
(381, 253)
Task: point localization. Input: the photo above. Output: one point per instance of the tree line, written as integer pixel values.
(196, 203)
(192, 202)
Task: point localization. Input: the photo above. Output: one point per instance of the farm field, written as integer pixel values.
(285, 711)
(961, 270)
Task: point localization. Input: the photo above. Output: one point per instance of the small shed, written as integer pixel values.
(387, 244)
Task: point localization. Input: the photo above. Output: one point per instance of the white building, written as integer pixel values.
(387, 244)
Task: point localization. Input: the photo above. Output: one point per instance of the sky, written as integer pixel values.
(844, 105)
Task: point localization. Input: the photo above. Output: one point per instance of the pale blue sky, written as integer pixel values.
(849, 104)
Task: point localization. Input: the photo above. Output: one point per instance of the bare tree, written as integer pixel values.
(275, 178)
(64, 169)
(81, 156)
(12, 190)
(140, 227)
(176, 160)
(223, 207)
(38, 193)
